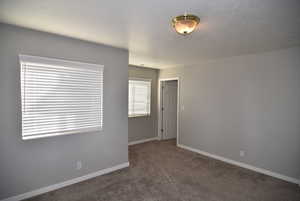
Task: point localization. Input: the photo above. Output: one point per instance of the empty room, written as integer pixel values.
(157, 100)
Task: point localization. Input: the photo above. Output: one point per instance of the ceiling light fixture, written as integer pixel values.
(185, 24)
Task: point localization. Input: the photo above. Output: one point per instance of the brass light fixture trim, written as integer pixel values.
(185, 24)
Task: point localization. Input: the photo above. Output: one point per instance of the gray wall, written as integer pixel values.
(32, 164)
(249, 103)
(140, 128)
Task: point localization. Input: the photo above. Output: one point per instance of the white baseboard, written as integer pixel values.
(243, 165)
(65, 183)
(142, 141)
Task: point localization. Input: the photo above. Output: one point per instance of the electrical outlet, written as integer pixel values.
(78, 165)
(242, 153)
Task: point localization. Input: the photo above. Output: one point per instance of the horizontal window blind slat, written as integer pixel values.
(52, 72)
(45, 112)
(60, 77)
(49, 84)
(53, 104)
(60, 68)
(62, 116)
(59, 99)
(68, 97)
(68, 101)
(29, 122)
(62, 102)
(48, 125)
(50, 109)
(50, 112)
(86, 83)
(54, 116)
(67, 75)
(61, 90)
(63, 93)
(39, 96)
(53, 110)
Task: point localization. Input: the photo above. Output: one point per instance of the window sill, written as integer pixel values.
(70, 132)
(140, 115)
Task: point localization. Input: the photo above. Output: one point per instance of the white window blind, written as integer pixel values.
(60, 97)
(139, 97)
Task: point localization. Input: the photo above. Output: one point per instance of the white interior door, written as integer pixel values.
(169, 109)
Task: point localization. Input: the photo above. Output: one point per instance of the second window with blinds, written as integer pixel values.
(139, 97)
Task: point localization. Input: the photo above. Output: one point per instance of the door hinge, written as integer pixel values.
(162, 109)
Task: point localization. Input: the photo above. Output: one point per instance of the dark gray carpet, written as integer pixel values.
(159, 171)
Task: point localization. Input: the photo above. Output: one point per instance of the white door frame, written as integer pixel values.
(159, 123)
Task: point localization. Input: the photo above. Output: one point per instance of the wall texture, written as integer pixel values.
(140, 128)
(32, 164)
(248, 103)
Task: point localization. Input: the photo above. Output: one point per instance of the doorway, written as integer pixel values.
(168, 108)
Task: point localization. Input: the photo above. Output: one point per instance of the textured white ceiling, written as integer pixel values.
(228, 27)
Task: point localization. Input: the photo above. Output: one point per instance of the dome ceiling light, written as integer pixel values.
(185, 24)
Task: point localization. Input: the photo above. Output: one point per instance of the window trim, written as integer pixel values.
(53, 62)
(56, 62)
(146, 80)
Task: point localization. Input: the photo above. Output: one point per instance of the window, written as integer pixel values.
(139, 97)
(60, 97)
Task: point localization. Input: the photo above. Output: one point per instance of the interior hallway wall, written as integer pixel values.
(140, 128)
